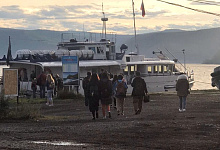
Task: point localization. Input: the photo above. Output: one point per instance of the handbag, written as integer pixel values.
(146, 98)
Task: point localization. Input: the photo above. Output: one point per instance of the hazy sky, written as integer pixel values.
(76, 15)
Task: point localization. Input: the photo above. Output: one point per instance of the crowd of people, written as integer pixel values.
(111, 91)
(46, 81)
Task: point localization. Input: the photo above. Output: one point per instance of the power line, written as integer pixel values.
(206, 2)
(198, 10)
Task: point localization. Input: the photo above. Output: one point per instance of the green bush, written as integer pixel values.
(9, 109)
(4, 105)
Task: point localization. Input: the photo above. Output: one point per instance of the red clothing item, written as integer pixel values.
(42, 79)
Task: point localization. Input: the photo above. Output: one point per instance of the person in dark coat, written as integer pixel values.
(41, 81)
(93, 95)
(105, 89)
(85, 87)
(182, 88)
(34, 87)
(138, 92)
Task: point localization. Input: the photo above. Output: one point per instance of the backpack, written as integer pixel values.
(139, 87)
(93, 90)
(106, 89)
(120, 89)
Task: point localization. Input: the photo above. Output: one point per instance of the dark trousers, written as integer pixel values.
(42, 91)
(34, 92)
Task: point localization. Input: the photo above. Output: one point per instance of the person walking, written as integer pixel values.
(105, 88)
(138, 92)
(50, 84)
(120, 88)
(94, 95)
(182, 88)
(85, 87)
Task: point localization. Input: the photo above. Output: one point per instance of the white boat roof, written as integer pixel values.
(86, 63)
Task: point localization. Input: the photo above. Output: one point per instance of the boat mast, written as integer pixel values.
(104, 22)
(135, 34)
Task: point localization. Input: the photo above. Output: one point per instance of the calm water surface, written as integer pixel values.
(202, 75)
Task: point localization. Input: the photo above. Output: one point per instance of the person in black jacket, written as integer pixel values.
(138, 92)
(105, 89)
(85, 87)
(94, 95)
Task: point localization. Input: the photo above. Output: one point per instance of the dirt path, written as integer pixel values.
(159, 126)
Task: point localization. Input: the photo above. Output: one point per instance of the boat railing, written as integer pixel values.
(87, 37)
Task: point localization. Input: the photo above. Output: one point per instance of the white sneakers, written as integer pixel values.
(182, 110)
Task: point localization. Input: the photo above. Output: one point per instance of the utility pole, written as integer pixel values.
(184, 60)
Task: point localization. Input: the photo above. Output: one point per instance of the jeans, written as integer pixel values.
(34, 92)
(49, 95)
(182, 102)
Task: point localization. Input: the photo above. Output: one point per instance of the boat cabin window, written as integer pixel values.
(165, 69)
(76, 48)
(127, 59)
(161, 69)
(155, 69)
(113, 49)
(126, 70)
(149, 69)
(100, 50)
(93, 49)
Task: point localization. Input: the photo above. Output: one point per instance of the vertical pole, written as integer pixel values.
(184, 60)
(135, 34)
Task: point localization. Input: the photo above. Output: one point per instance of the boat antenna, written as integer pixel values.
(104, 22)
(135, 34)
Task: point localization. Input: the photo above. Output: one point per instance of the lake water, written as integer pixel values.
(201, 75)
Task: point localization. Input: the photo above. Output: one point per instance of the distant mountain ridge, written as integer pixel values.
(200, 46)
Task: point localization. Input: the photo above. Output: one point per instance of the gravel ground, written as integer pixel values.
(69, 125)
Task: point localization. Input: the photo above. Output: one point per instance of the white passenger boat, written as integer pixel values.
(160, 75)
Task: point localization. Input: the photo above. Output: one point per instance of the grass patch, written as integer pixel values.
(24, 112)
(68, 95)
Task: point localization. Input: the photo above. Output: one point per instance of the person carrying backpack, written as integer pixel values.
(105, 89)
(94, 96)
(138, 92)
(120, 88)
(85, 87)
